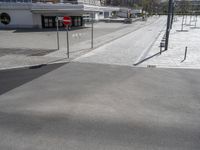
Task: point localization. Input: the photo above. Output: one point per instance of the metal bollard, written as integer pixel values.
(185, 53)
(185, 56)
(160, 50)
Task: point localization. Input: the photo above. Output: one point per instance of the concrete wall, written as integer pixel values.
(37, 21)
(101, 15)
(90, 2)
(28, 15)
(19, 19)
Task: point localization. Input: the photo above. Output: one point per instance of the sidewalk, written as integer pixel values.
(127, 49)
(84, 47)
(15, 60)
(173, 58)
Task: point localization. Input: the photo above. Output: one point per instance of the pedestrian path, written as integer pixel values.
(83, 47)
(16, 57)
(127, 49)
(178, 41)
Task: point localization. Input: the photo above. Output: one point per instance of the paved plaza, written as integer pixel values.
(127, 50)
(178, 41)
(98, 99)
(144, 44)
(47, 38)
(33, 47)
(81, 106)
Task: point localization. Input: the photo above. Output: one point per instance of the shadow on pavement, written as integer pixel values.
(13, 78)
(45, 30)
(25, 51)
(147, 58)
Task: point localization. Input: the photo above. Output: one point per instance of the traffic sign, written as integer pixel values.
(60, 18)
(67, 20)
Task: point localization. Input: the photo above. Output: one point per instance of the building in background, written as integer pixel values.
(43, 13)
(103, 2)
(122, 3)
(89, 2)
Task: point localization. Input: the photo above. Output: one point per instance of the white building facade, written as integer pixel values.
(26, 14)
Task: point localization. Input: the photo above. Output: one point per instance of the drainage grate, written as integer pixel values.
(151, 66)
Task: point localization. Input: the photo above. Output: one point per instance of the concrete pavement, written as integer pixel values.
(128, 49)
(93, 106)
(12, 78)
(173, 58)
(27, 48)
(100, 107)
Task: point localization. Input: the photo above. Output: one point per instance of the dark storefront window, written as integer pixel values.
(76, 21)
(50, 21)
(5, 18)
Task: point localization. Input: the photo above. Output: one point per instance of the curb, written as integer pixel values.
(35, 66)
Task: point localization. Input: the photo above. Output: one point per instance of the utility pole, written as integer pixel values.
(168, 23)
(173, 11)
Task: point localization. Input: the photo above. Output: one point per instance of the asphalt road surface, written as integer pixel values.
(99, 107)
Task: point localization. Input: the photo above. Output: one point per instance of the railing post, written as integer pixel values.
(92, 32)
(168, 23)
(185, 53)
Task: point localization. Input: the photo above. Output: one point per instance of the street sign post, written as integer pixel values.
(57, 21)
(67, 21)
(92, 30)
